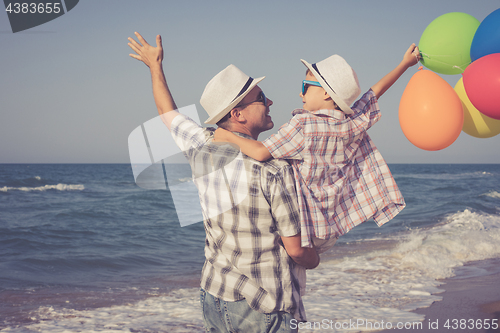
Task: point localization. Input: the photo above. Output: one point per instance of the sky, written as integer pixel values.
(70, 92)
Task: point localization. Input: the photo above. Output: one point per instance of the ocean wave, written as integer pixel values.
(58, 187)
(492, 194)
(464, 237)
(387, 284)
(185, 179)
(445, 176)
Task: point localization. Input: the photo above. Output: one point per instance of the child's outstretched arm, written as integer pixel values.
(411, 57)
(252, 148)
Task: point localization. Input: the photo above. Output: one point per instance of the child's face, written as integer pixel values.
(314, 97)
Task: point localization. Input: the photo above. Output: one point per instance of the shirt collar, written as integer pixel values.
(337, 114)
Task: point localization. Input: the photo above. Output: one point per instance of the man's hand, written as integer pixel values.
(304, 256)
(146, 53)
(152, 57)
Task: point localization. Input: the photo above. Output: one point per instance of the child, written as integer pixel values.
(341, 178)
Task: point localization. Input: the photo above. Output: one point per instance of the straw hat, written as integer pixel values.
(225, 91)
(338, 79)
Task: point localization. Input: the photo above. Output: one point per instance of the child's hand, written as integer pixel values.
(221, 135)
(412, 56)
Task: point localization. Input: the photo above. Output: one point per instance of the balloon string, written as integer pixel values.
(461, 67)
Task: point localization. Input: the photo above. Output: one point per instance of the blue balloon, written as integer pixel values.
(487, 38)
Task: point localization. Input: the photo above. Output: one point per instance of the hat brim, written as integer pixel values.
(215, 118)
(339, 101)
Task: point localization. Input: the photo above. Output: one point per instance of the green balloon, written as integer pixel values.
(445, 43)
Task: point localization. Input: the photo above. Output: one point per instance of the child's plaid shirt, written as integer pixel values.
(341, 178)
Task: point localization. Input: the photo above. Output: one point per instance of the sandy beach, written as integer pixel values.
(469, 303)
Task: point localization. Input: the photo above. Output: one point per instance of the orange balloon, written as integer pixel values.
(430, 112)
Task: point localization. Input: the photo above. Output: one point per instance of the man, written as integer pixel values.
(250, 208)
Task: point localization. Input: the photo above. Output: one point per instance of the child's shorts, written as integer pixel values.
(323, 245)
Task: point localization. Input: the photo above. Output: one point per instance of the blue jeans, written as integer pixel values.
(230, 317)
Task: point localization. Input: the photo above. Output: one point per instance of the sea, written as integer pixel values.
(83, 248)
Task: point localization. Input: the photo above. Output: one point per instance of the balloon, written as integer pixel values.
(476, 124)
(487, 38)
(430, 112)
(482, 84)
(445, 43)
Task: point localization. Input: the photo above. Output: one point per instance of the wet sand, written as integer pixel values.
(469, 302)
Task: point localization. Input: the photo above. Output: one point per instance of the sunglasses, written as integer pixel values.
(261, 99)
(307, 83)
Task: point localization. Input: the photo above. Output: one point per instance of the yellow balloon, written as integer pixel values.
(476, 124)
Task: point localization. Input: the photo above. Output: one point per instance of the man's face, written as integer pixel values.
(256, 113)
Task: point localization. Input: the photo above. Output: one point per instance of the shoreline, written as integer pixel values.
(470, 301)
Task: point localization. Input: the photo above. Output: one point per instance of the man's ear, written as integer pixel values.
(237, 115)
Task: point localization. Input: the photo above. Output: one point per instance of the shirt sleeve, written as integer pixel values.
(284, 203)
(288, 143)
(367, 108)
(187, 133)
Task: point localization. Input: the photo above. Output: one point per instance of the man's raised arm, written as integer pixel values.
(153, 57)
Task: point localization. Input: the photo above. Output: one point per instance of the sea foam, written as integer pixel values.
(58, 187)
(493, 194)
(177, 312)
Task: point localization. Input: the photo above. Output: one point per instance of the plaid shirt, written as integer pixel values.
(340, 175)
(247, 205)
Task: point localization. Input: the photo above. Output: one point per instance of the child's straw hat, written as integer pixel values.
(338, 79)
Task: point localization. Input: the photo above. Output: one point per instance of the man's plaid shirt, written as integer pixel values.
(341, 176)
(247, 205)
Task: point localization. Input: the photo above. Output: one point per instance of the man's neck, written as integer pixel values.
(243, 130)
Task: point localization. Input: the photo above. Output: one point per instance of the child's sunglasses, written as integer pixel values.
(307, 83)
